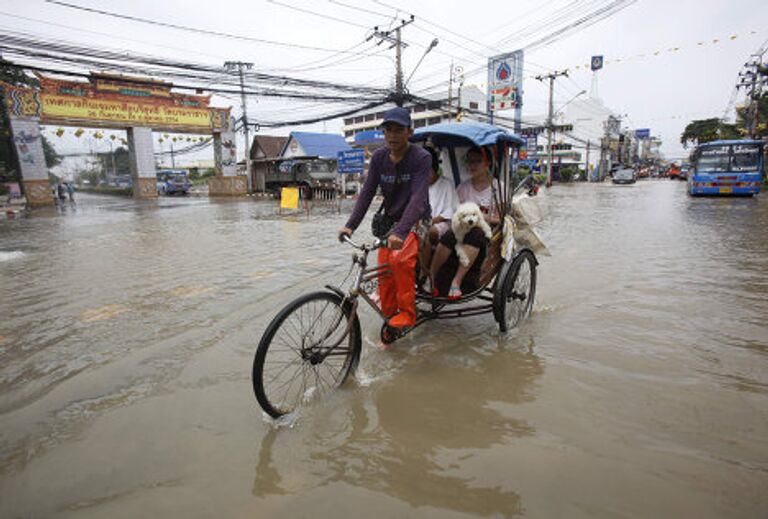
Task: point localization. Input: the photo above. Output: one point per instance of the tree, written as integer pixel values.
(52, 158)
(706, 130)
(122, 161)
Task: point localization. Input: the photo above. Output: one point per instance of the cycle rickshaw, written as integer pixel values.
(314, 343)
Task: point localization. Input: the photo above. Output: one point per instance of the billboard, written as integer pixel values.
(106, 101)
(84, 110)
(505, 81)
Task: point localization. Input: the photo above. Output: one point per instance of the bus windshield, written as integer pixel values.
(746, 157)
(722, 159)
(714, 163)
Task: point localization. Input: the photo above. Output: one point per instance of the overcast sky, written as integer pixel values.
(668, 62)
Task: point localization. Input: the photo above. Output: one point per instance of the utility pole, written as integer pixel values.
(398, 44)
(240, 66)
(752, 82)
(398, 65)
(586, 166)
(552, 76)
(458, 93)
(450, 90)
(605, 144)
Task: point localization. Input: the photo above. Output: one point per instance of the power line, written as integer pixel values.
(597, 14)
(108, 35)
(307, 11)
(189, 29)
(328, 117)
(26, 45)
(265, 93)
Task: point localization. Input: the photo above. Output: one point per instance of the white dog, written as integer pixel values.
(467, 216)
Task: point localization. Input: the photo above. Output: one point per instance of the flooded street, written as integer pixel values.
(637, 388)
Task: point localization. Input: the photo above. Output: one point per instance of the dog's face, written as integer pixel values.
(468, 215)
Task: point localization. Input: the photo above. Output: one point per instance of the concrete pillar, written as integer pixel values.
(260, 181)
(142, 159)
(29, 149)
(226, 182)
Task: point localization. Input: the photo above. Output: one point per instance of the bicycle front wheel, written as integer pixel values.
(304, 353)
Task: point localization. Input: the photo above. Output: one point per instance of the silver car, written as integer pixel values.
(624, 176)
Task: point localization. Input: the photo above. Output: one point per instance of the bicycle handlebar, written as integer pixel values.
(363, 247)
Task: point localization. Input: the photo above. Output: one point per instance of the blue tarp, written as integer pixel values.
(465, 134)
(320, 144)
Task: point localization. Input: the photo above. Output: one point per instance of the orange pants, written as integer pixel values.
(397, 290)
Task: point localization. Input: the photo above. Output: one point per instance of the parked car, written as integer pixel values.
(173, 181)
(624, 176)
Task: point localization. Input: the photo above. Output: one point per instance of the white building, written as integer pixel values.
(588, 117)
(422, 114)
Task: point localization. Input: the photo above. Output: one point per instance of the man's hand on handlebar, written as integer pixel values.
(394, 242)
(344, 231)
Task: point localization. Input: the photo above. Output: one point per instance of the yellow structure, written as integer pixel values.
(289, 198)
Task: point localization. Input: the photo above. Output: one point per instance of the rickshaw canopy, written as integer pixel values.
(465, 134)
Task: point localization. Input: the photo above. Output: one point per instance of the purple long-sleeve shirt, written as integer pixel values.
(407, 202)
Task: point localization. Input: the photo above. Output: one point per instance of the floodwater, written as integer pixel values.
(637, 388)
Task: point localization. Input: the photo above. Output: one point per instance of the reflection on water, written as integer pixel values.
(639, 387)
(400, 439)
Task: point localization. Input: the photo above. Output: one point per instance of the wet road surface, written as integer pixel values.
(637, 388)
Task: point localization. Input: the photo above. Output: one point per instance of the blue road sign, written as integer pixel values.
(351, 161)
(643, 133)
(369, 137)
(596, 62)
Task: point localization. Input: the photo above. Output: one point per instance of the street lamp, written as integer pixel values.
(559, 110)
(432, 45)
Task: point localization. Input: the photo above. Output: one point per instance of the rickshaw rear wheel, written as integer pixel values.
(515, 291)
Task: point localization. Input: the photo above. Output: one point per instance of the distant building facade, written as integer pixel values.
(435, 110)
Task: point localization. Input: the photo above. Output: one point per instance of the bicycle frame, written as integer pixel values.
(367, 277)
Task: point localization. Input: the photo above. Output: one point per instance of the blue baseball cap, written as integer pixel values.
(397, 115)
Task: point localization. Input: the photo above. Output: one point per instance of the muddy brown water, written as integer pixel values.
(637, 388)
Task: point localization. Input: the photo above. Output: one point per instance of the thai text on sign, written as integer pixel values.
(84, 109)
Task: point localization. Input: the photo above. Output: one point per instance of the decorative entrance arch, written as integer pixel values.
(109, 101)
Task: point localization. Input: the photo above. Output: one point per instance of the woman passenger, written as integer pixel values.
(443, 202)
(449, 276)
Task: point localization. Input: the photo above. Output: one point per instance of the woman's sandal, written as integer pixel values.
(454, 293)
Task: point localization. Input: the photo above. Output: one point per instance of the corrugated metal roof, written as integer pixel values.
(270, 145)
(320, 144)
